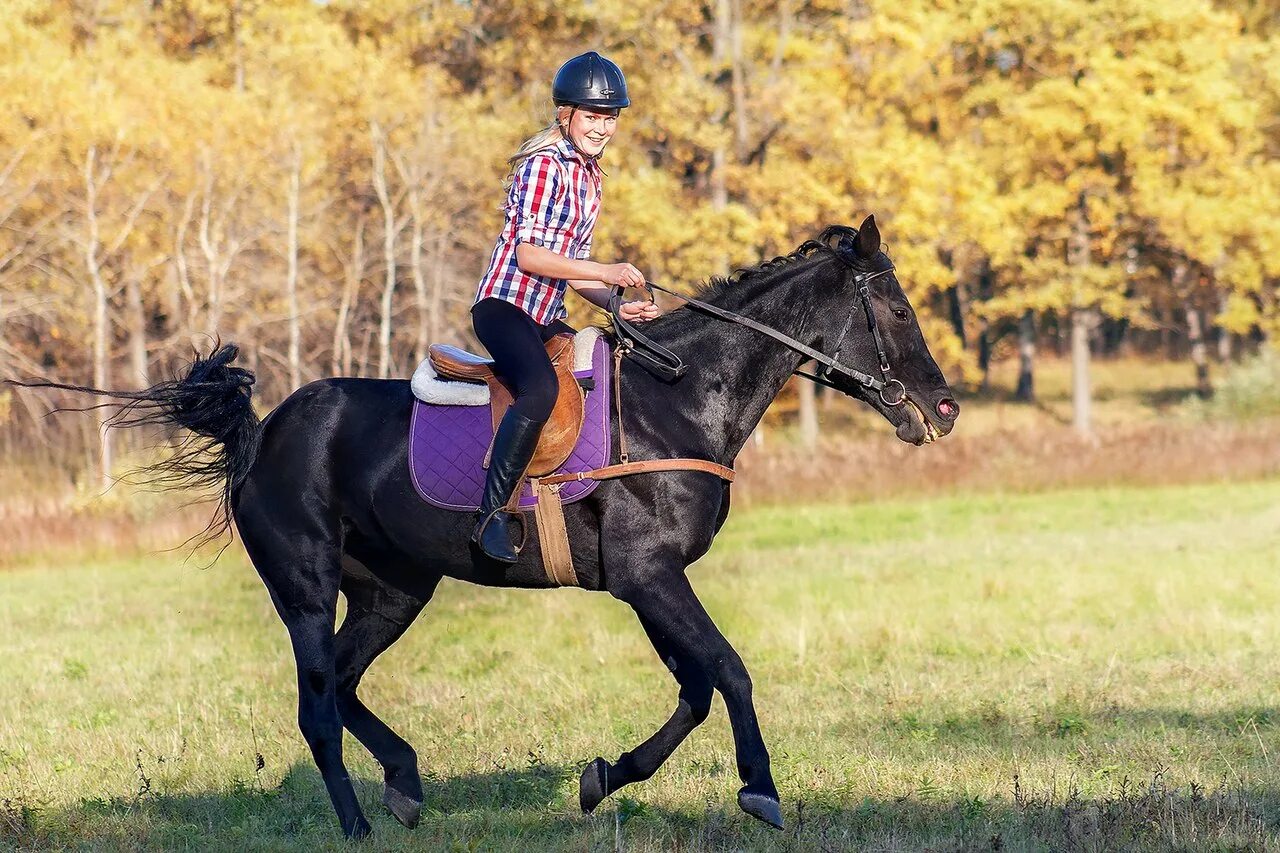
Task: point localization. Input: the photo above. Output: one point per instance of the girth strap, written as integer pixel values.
(647, 466)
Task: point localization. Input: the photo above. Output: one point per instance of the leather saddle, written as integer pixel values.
(560, 433)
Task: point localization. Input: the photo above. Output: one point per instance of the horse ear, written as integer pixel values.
(868, 238)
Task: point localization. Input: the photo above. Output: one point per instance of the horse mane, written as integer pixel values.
(822, 244)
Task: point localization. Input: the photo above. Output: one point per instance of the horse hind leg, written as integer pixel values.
(377, 616)
(600, 779)
(302, 576)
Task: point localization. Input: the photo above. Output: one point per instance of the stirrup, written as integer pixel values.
(517, 515)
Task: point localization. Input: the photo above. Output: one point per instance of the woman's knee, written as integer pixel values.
(538, 398)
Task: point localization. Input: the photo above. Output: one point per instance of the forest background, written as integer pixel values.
(321, 182)
(1083, 203)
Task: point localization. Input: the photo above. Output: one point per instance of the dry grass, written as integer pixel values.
(866, 466)
(1144, 437)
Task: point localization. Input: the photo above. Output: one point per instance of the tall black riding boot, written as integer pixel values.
(513, 448)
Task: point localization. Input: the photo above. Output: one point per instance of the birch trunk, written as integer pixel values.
(341, 332)
(291, 277)
(92, 245)
(388, 250)
(737, 80)
(436, 314)
(1026, 391)
(1083, 319)
(419, 280)
(1225, 341)
(209, 247)
(808, 414)
(720, 156)
(1199, 352)
(181, 266)
(136, 323)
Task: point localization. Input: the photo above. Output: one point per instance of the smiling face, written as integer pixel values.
(930, 409)
(588, 128)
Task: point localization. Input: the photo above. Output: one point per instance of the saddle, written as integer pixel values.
(560, 433)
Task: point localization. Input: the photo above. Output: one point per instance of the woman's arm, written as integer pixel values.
(587, 278)
(539, 260)
(598, 294)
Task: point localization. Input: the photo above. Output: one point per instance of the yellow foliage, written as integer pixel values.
(1064, 153)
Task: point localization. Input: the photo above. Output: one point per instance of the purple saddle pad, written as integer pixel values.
(447, 445)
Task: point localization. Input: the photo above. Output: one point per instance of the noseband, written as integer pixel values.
(667, 365)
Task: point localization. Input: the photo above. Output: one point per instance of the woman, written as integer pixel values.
(551, 209)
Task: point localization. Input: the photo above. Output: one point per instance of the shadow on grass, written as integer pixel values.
(988, 726)
(295, 815)
(535, 809)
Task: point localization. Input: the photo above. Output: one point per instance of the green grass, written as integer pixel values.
(1086, 670)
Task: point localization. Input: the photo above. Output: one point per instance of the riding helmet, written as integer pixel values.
(590, 80)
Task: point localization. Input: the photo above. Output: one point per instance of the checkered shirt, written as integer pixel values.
(553, 202)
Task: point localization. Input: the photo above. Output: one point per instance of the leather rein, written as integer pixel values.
(667, 365)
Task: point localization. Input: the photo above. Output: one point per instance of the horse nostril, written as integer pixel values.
(948, 408)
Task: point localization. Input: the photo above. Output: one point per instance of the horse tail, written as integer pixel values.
(213, 403)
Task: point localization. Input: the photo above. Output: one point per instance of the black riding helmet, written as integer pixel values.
(590, 80)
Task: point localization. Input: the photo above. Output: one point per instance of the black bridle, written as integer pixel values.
(667, 365)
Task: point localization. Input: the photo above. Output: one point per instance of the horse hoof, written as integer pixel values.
(403, 808)
(591, 787)
(761, 807)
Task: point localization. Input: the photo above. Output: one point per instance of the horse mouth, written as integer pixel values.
(917, 429)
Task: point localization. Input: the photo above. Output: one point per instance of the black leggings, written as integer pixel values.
(519, 355)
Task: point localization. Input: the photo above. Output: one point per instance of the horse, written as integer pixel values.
(321, 495)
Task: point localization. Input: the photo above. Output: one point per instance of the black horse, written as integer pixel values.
(321, 494)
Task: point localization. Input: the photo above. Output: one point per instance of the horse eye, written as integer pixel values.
(901, 314)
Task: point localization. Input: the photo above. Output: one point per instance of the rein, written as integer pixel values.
(669, 366)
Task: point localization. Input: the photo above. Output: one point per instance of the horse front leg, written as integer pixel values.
(601, 779)
(668, 603)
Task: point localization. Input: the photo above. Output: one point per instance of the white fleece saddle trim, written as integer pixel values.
(428, 387)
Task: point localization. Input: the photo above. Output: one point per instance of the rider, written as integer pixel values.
(552, 203)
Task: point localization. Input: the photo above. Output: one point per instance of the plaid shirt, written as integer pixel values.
(553, 202)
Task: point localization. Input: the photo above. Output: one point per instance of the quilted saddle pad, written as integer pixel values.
(447, 445)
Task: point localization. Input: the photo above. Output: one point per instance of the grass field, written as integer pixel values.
(1086, 670)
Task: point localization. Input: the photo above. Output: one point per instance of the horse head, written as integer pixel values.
(888, 344)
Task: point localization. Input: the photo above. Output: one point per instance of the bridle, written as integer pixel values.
(667, 365)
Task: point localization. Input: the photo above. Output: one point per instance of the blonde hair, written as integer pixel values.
(545, 138)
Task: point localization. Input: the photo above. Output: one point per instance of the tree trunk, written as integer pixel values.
(1082, 322)
(737, 80)
(721, 53)
(1083, 319)
(237, 41)
(136, 320)
(1199, 352)
(956, 307)
(209, 246)
(984, 357)
(291, 277)
(341, 327)
(99, 345)
(388, 250)
(1225, 343)
(181, 267)
(1026, 390)
(436, 312)
(419, 282)
(808, 422)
